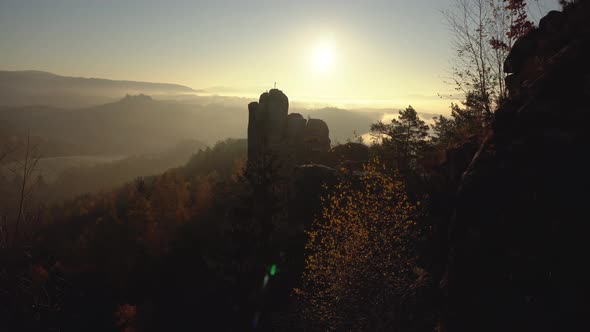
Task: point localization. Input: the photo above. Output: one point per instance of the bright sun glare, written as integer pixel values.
(323, 58)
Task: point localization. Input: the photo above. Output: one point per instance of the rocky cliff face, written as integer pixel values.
(519, 236)
(288, 137)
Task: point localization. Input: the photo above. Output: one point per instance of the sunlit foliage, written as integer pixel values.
(361, 260)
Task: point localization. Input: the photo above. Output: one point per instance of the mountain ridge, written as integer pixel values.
(34, 87)
(53, 75)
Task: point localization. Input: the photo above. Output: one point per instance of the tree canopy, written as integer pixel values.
(404, 138)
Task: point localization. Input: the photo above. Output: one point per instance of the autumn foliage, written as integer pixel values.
(519, 23)
(361, 258)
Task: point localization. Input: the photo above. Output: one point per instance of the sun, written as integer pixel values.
(323, 58)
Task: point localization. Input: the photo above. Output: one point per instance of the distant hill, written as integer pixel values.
(140, 124)
(74, 115)
(132, 125)
(89, 178)
(26, 88)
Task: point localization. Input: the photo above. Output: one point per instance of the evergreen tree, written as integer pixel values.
(404, 139)
(465, 122)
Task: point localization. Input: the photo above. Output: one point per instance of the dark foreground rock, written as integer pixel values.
(519, 236)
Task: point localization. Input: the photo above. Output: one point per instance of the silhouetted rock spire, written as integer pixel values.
(288, 137)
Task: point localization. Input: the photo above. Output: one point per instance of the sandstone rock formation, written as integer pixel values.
(290, 138)
(316, 135)
(295, 129)
(267, 123)
(519, 236)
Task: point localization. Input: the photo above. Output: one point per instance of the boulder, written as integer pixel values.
(521, 50)
(317, 136)
(552, 22)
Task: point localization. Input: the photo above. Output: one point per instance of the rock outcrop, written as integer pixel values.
(290, 138)
(519, 236)
(316, 136)
(296, 129)
(267, 123)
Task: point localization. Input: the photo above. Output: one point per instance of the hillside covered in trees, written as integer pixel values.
(474, 221)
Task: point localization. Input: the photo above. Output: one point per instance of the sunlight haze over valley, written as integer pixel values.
(373, 53)
(294, 165)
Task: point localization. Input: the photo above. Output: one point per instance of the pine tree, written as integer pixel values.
(404, 139)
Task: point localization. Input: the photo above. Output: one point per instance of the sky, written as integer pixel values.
(369, 53)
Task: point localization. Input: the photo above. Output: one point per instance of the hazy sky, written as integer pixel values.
(385, 53)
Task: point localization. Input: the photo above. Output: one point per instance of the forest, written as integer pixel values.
(474, 221)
